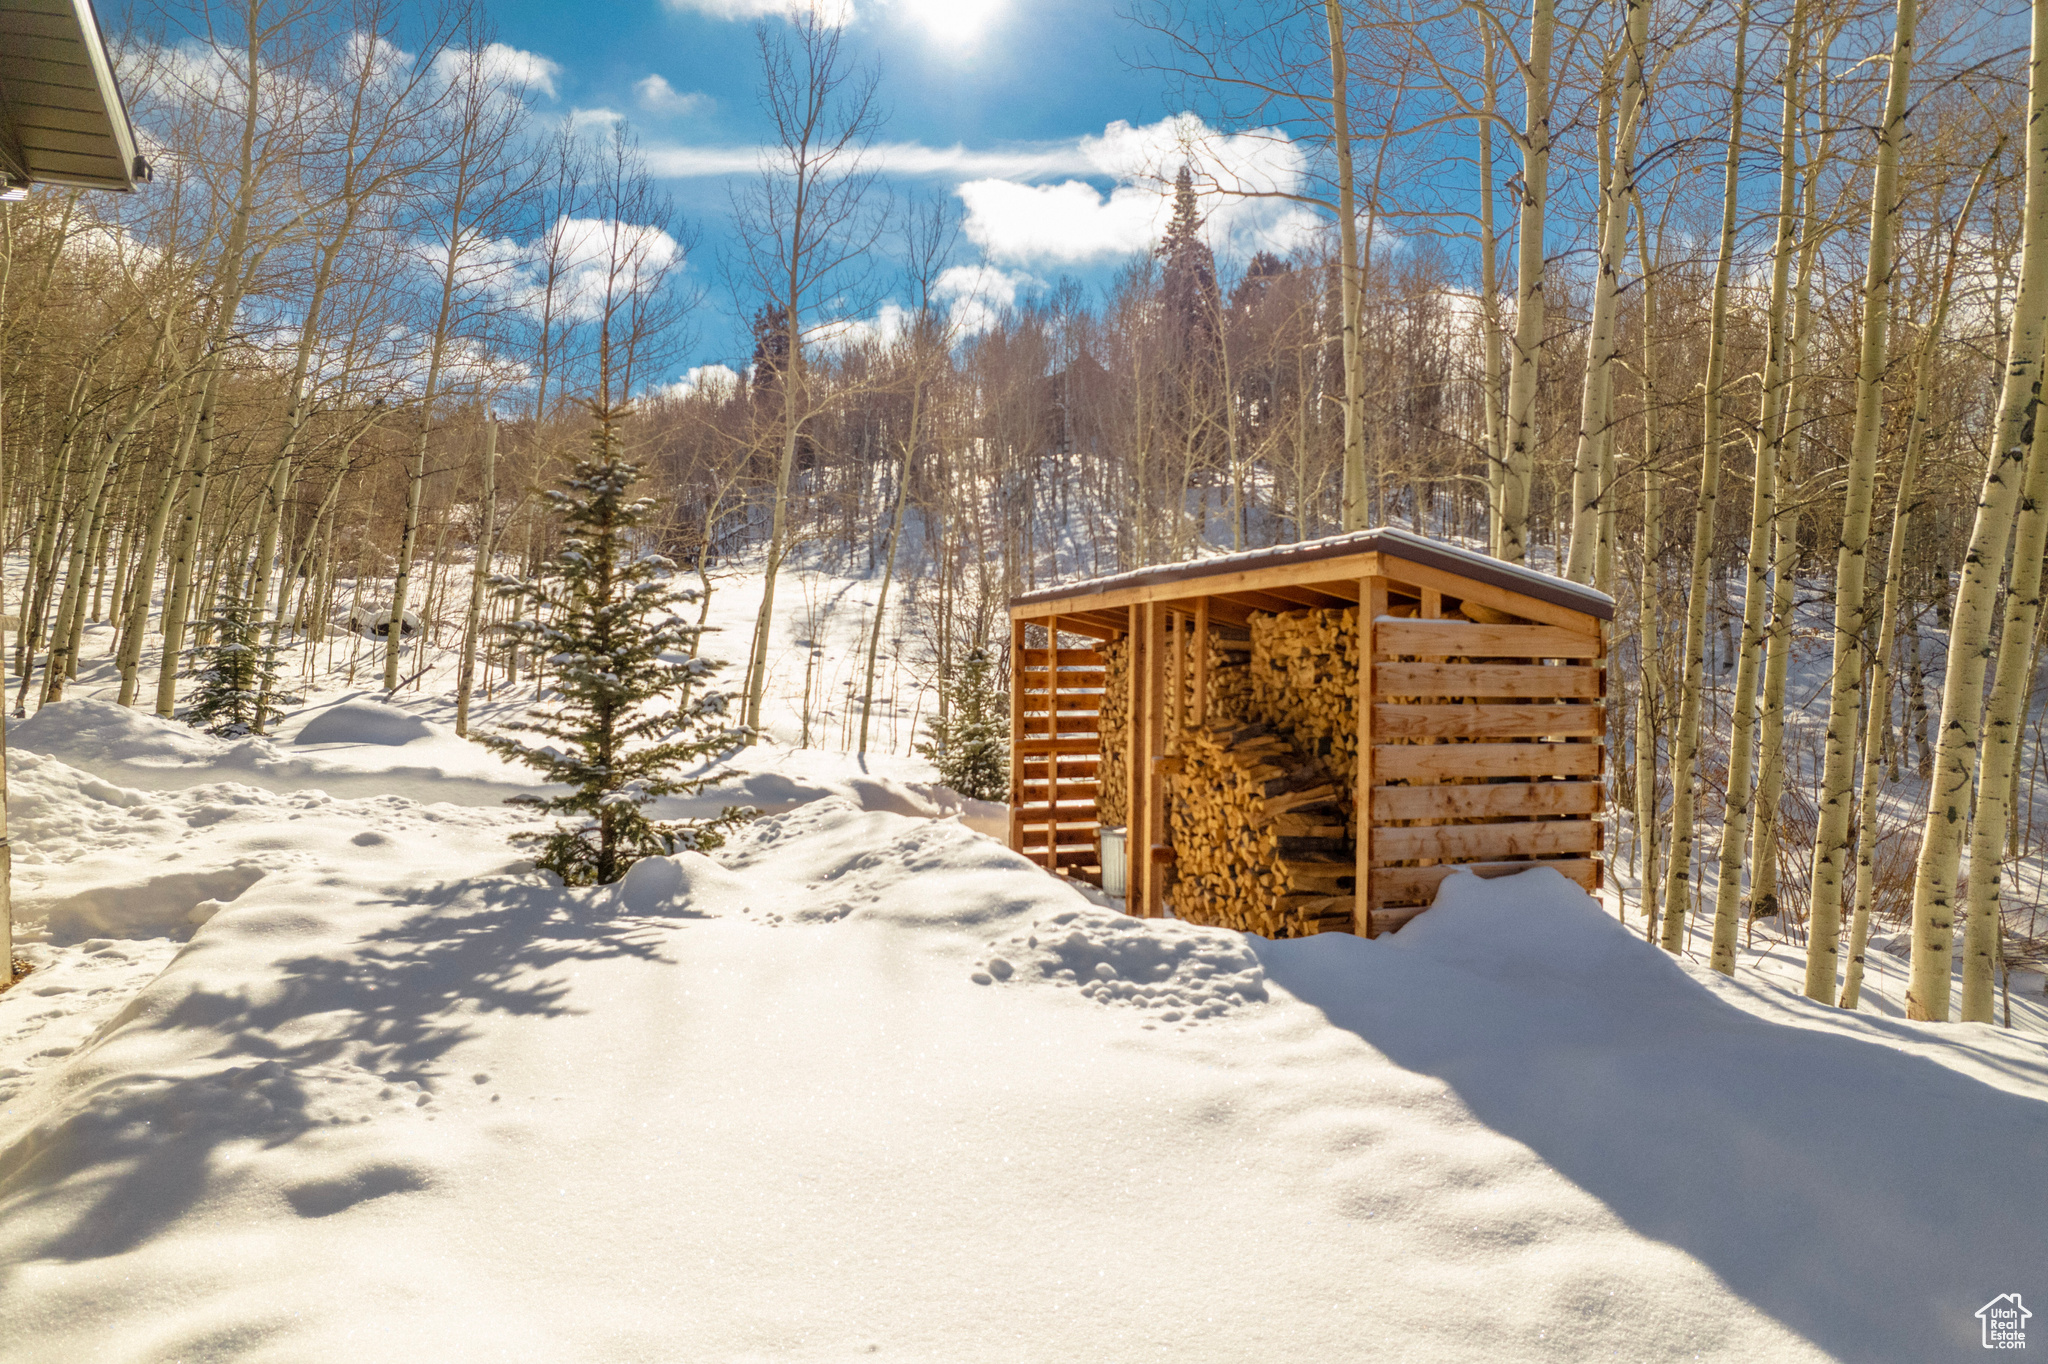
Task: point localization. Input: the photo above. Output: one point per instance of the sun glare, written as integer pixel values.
(952, 23)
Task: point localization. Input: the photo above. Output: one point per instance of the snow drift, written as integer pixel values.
(869, 1084)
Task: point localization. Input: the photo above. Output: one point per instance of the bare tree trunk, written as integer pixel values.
(184, 559)
(1845, 691)
(480, 577)
(1529, 298)
(1686, 748)
(1495, 435)
(1651, 592)
(1350, 290)
(1590, 471)
(143, 588)
(1969, 651)
(1878, 722)
(1998, 759)
(1735, 807)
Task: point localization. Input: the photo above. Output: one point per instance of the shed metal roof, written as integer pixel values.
(1398, 544)
(62, 121)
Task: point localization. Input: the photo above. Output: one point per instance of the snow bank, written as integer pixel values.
(349, 752)
(868, 1084)
(365, 722)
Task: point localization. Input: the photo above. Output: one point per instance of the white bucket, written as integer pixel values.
(1114, 874)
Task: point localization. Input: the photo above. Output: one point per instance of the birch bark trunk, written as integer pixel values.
(1590, 484)
(1969, 652)
(480, 576)
(1529, 298)
(1736, 805)
(1845, 690)
(1878, 720)
(1686, 748)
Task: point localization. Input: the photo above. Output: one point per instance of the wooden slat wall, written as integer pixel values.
(1487, 753)
(1055, 752)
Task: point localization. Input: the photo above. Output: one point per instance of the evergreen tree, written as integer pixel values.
(238, 688)
(971, 745)
(630, 706)
(1188, 285)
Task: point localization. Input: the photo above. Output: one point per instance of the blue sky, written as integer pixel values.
(1031, 116)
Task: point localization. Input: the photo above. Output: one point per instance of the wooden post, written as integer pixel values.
(1176, 692)
(1201, 647)
(1052, 760)
(1372, 604)
(1137, 863)
(1155, 750)
(1017, 736)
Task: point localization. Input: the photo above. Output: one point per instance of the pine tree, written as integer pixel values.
(239, 685)
(1188, 289)
(971, 744)
(631, 708)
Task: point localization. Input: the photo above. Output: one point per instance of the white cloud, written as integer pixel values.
(891, 320)
(1014, 216)
(836, 12)
(976, 295)
(599, 117)
(501, 62)
(1072, 221)
(657, 96)
(713, 381)
(1068, 222)
(585, 250)
(890, 158)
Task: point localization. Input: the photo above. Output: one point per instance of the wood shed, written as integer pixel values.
(1238, 715)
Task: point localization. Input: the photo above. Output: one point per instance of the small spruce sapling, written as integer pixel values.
(237, 684)
(971, 745)
(630, 706)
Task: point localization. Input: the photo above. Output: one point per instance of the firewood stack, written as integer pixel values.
(1230, 677)
(1261, 843)
(1304, 682)
(1230, 691)
(1113, 781)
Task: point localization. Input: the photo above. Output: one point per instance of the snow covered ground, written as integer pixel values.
(318, 1076)
(311, 1068)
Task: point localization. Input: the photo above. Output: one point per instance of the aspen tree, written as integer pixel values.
(1529, 299)
(480, 576)
(185, 553)
(1878, 720)
(1592, 460)
(129, 659)
(1998, 756)
(1845, 691)
(1686, 745)
(1351, 289)
(1763, 516)
(484, 116)
(1969, 651)
(1787, 437)
(924, 348)
(1650, 591)
(803, 231)
(1494, 436)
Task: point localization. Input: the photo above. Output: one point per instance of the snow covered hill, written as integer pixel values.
(316, 1071)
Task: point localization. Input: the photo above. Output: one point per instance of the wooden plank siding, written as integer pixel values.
(1485, 755)
(1055, 749)
(1480, 744)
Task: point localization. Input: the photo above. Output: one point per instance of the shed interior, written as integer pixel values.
(1235, 719)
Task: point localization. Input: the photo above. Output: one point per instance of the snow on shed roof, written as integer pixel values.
(1400, 544)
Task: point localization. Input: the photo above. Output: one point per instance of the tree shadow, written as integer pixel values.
(389, 1005)
(1868, 1199)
